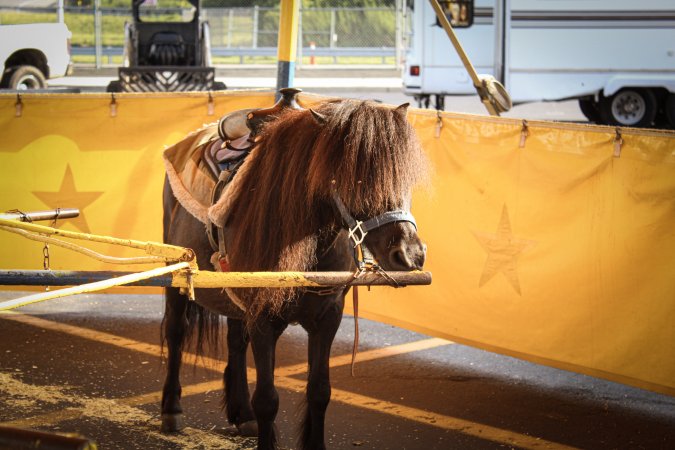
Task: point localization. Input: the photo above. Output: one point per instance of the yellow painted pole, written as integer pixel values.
(168, 252)
(208, 279)
(478, 83)
(288, 42)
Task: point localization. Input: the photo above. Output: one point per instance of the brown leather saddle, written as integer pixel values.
(238, 133)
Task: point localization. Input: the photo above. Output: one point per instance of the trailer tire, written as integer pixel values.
(670, 109)
(590, 109)
(629, 107)
(26, 77)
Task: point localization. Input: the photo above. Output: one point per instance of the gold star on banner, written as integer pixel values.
(69, 197)
(503, 251)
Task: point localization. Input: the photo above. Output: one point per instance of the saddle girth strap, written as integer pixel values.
(214, 232)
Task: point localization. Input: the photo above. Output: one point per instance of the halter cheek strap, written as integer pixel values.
(358, 229)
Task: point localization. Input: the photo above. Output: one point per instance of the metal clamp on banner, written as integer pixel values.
(524, 133)
(18, 111)
(618, 142)
(439, 124)
(211, 107)
(113, 106)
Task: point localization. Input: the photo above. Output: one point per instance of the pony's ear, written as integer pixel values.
(320, 118)
(402, 109)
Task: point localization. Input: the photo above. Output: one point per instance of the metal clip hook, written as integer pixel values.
(18, 106)
(439, 124)
(113, 105)
(618, 142)
(211, 107)
(524, 133)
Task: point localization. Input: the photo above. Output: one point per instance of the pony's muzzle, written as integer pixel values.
(407, 256)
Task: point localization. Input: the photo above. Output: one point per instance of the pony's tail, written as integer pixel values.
(304, 425)
(190, 325)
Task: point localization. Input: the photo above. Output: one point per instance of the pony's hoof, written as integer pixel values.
(172, 423)
(248, 429)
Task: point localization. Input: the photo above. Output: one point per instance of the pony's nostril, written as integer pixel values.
(400, 259)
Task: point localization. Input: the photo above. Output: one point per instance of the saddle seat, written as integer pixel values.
(238, 132)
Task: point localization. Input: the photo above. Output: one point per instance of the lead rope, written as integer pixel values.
(355, 348)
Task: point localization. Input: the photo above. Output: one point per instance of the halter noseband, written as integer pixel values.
(358, 229)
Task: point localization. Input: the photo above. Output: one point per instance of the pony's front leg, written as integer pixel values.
(318, 384)
(265, 334)
(174, 327)
(237, 398)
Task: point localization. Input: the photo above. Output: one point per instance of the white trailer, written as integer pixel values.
(616, 56)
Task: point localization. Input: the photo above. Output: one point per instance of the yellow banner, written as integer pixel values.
(549, 242)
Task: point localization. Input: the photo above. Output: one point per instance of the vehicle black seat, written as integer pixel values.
(167, 48)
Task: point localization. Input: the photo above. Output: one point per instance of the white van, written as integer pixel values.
(616, 56)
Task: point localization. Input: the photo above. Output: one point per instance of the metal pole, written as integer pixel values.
(52, 214)
(97, 32)
(230, 21)
(256, 15)
(59, 12)
(498, 25)
(333, 36)
(398, 37)
(507, 45)
(288, 43)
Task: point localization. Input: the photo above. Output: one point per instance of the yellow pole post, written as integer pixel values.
(288, 41)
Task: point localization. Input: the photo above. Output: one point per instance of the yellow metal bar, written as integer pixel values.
(91, 287)
(169, 252)
(288, 42)
(84, 250)
(207, 279)
(288, 30)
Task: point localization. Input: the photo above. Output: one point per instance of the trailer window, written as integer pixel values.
(458, 12)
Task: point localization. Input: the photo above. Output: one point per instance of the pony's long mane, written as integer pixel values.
(280, 199)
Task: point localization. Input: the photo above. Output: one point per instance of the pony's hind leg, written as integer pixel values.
(174, 327)
(237, 399)
(265, 333)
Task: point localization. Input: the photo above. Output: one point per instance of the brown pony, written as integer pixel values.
(312, 174)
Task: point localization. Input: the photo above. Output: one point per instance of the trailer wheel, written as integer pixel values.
(26, 77)
(629, 107)
(590, 109)
(670, 109)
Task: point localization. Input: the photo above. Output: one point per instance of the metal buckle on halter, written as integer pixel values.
(352, 233)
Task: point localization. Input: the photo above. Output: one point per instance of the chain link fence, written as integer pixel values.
(330, 32)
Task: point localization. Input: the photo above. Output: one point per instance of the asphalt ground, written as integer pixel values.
(92, 365)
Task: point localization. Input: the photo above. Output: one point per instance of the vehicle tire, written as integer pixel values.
(590, 109)
(629, 108)
(670, 109)
(26, 77)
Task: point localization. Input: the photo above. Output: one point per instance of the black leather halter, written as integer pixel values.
(358, 229)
